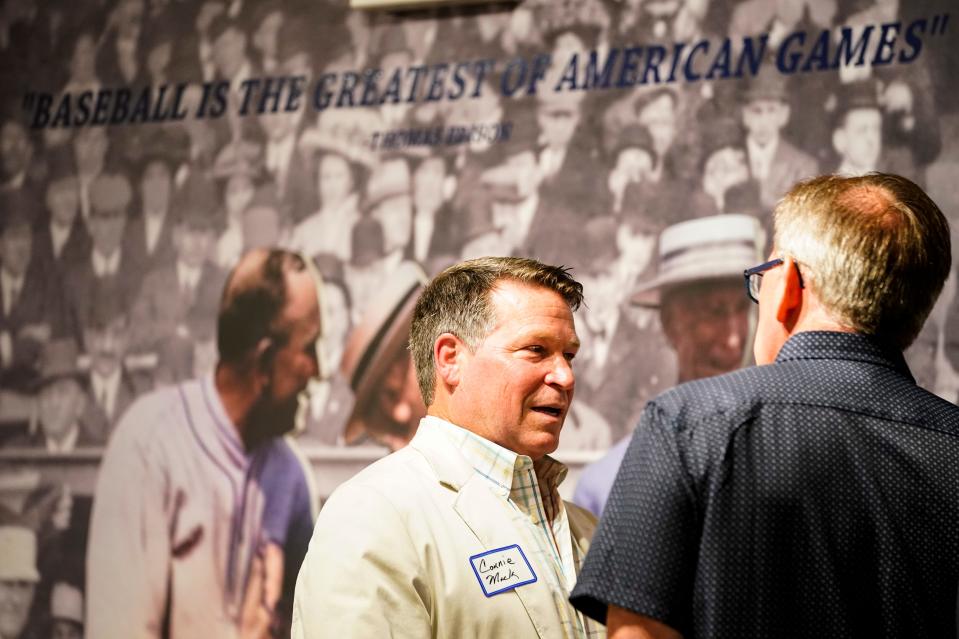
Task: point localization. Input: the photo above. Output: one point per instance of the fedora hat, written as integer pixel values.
(768, 84)
(59, 359)
(708, 248)
(383, 332)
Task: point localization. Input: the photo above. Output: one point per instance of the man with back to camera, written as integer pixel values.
(814, 494)
(202, 510)
(462, 533)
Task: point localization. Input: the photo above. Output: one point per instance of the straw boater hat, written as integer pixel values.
(374, 342)
(345, 132)
(708, 248)
(59, 359)
(66, 603)
(18, 547)
(390, 178)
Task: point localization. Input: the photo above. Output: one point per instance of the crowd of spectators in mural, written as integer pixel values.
(115, 241)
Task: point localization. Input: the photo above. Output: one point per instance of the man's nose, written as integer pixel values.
(561, 373)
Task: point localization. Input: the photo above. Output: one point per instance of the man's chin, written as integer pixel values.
(544, 443)
(269, 419)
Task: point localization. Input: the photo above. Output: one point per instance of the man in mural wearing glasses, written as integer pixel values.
(816, 494)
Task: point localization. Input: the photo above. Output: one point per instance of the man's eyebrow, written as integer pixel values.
(535, 334)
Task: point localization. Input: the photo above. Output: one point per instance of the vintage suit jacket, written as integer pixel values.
(76, 249)
(98, 424)
(162, 306)
(85, 290)
(135, 243)
(788, 166)
(390, 556)
(38, 303)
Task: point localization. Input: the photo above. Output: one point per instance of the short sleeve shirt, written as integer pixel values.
(816, 496)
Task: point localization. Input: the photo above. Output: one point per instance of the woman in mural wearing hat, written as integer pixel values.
(236, 169)
(342, 162)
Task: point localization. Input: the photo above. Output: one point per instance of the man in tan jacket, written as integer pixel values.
(463, 533)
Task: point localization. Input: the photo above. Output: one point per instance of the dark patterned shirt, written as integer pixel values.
(814, 497)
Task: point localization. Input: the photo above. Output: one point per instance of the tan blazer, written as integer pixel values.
(390, 555)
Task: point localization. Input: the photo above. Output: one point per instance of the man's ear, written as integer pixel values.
(789, 297)
(264, 354)
(448, 352)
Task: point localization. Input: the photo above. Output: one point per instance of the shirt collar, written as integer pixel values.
(107, 388)
(761, 156)
(105, 265)
(65, 445)
(60, 232)
(838, 345)
(8, 281)
(225, 430)
(187, 275)
(499, 465)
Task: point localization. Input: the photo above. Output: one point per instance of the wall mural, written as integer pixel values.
(147, 144)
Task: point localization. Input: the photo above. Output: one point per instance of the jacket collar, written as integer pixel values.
(487, 515)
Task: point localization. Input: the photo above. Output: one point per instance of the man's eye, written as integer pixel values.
(536, 348)
(569, 356)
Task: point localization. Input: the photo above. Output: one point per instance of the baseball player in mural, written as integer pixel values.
(203, 510)
(815, 494)
(419, 542)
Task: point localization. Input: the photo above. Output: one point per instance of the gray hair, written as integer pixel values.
(876, 249)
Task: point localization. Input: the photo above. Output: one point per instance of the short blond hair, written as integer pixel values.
(876, 250)
(457, 301)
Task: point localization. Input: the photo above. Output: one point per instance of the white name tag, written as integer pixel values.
(502, 569)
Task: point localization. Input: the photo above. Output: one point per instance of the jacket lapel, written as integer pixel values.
(488, 516)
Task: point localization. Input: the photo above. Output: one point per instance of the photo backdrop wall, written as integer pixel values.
(146, 144)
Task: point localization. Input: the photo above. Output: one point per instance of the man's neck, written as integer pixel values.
(764, 146)
(62, 225)
(238, 395)
(65, 441)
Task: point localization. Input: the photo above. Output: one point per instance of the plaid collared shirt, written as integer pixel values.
(532, 490)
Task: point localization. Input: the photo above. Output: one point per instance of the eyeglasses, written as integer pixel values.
(754, 275)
